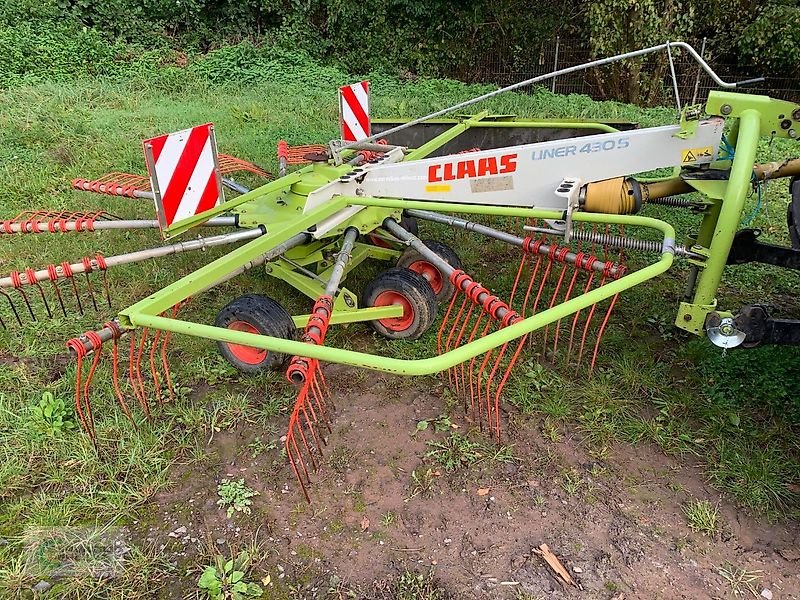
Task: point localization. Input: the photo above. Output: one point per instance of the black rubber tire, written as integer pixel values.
(411, 256)
(264, 314)
(416, 290)
(793, 212)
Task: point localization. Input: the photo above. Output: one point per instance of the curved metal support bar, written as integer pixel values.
(138, 318)
(565, 71)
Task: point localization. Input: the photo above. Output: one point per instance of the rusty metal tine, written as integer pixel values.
(575, 319)
(44, 299)
(517, 279)
(105, 287)
(296, 471)
(299, 454)
(27, 303)
(448, 346)
(141, 397)
(553, 302)
(60, 299)
(311, 425)
(479, 402)
(89, 287)
(13, 308)
(490, 409)
(77, 295)
(439, 348)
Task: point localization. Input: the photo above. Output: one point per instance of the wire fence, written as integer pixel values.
(649, 83)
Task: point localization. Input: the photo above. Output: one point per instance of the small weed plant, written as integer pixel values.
(413, 586)
(50, 416)
(235, 496)
(228, 579)
(455, 452)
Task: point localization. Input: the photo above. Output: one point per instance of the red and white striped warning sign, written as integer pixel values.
(354, 111)
(183, 172)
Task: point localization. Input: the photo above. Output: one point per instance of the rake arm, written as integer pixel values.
(55, 274)
(303, 443)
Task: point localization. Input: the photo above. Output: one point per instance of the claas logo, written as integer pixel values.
(478, 167)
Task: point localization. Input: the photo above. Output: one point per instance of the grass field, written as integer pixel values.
(738, 412)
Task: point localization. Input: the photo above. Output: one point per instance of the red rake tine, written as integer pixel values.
(459, 370)
(153, 371)
(115, 380)
(52, 273)
(567, 296)
(141, 397)
(577, 316)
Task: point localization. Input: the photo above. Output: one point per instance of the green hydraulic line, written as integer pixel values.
(733, 204)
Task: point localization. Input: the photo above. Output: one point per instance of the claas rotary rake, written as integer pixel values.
(563, 197)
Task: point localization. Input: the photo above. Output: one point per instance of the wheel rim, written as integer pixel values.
(378, 241)
(246, 354)
(429, 271)
(392, 298)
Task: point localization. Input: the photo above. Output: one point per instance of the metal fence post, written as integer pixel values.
(555, 64)
(699, 71)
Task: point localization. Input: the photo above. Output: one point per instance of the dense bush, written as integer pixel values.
(53, 39)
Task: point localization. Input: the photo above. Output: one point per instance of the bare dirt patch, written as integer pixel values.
(382, 505)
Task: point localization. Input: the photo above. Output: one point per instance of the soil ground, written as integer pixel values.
(616, 522)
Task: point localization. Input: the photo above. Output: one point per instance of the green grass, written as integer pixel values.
(654, 384)
(702, 516)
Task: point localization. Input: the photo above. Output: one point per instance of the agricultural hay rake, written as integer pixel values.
(563, 198)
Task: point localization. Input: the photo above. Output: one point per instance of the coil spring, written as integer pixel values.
(617, 241)
(675, 202)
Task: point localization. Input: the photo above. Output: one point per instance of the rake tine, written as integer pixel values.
(306, 478)
(27, 303)
(601, 330)
(13, 308)
(311, 426)
(567, 296)
(492, 411)
(89, 288)
(67, 270)
(557, 289)
(458, 342)
(588, 323)
(299, 426)
(44, 300)
(115, 380)
(153, 371)
(140, 396)
(504, 379)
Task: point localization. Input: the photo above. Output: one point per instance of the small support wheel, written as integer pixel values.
(253, 313)
(399, 286)
(441, 284)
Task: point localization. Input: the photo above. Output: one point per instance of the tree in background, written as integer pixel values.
(618, 26)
